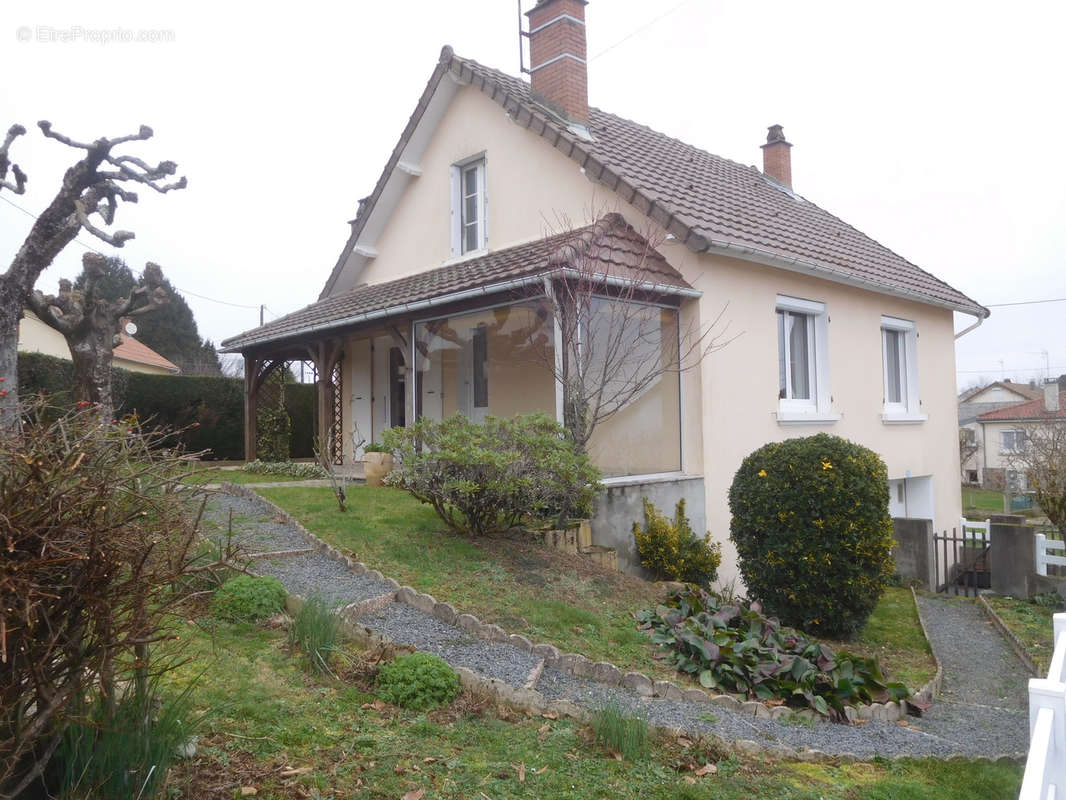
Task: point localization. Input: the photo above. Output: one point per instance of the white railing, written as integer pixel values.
(969, 528)
(1045, 769)
(1043, 557)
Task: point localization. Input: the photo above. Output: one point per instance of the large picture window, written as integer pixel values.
(486, 362)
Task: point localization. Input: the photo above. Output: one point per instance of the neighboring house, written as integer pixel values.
(973, 403)
(36, 337)
(1003, 434)
(428, 308)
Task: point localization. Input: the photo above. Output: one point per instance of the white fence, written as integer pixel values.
(970, 528)
(1044, 558)
(1045, 769)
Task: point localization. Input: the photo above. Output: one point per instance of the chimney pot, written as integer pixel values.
(558, 72)
(776, 158)
(1051, 397)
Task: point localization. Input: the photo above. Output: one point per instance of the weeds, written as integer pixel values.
(621, 733)
(315, 630)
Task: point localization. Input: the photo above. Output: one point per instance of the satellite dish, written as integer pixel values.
(131, 328)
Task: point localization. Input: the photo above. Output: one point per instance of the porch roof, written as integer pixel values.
(610, 249)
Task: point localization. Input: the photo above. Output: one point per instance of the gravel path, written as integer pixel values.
(984, 700)
(981, 712)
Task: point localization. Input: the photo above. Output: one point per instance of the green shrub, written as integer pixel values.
(247, 598)
(376, 447)
(272, 420)
(624, 734)
(315, 630)
(812, 531)
(419, 681)
(671, 549)
(290, 469)
(736, 648)
(486, 478)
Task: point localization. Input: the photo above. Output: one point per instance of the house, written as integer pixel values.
(972, 404)
(129, 354)
(1003, 434)
(431, 304)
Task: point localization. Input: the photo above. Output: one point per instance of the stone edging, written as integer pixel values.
(574, 664)
(1012, 639)
(927, 693)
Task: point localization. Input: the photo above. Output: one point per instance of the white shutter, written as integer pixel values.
(456, 217)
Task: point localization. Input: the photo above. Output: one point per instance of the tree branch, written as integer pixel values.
(19, 186)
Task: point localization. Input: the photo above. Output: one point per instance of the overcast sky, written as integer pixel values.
(934, 127)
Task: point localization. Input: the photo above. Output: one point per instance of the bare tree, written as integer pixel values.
(614, 343)
(90, 323)
(92, 187)
(968, 446)
(1042, 458)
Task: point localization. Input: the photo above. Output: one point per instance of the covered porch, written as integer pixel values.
(496, 335)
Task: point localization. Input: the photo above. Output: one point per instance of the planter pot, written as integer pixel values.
(376, 466)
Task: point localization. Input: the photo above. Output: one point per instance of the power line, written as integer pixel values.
(1012, 369)
(642, 28)
(33, 216)
(1026, 302)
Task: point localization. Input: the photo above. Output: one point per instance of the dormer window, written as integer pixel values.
(469, 231)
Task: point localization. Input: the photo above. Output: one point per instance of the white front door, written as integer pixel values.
(382, 345)
(362, 396)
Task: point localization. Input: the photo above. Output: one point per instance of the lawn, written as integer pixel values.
(268, 715)
(979, 503)
(199, 476)
(541, 594)
(1031, 623)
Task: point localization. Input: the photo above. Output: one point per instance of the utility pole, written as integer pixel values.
(261, 309)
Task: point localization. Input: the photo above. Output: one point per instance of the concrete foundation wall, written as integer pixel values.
(914, 550)
(622, 504)
(1011, 555)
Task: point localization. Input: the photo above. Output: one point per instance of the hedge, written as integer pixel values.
(178, 401)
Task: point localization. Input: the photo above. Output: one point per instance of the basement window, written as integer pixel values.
(469, 229)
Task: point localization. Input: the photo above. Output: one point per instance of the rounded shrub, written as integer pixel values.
(812, 531)
(418, 681)
(247, 598)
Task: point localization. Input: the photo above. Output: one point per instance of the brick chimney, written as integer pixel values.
(558, 73)
(776, 159)
(1051, 397)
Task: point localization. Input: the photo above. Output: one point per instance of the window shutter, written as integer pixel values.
(456, 218)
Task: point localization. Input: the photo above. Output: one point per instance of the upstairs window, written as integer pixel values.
(899, 355)
(1012, 442)
(468, 207)
(803, 362)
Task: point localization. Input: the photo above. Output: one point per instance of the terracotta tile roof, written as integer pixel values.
(711, 202)
(1033, 410)
(132, 350)
(1023, 389)
(609, 247)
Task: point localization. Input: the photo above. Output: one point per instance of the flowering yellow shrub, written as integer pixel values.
(671, 549)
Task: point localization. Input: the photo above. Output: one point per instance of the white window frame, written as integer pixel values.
(1018, 434)
(817, 409)
(478, 162)
(909, 409)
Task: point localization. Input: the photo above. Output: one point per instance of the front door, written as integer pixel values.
(362, 396)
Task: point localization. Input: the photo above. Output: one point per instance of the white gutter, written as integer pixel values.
(965, 331)
(796, 264)
(479, 291)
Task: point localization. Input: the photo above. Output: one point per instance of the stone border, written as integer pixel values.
(927, 694)
(1012, 638)
(574, 664)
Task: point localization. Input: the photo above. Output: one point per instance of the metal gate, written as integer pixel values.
(962, 560)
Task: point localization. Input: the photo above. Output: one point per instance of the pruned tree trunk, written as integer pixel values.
(92, 186)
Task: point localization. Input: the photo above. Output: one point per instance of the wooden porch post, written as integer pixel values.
(323, 395)
(251, 405)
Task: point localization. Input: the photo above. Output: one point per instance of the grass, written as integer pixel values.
(315, 631)
(894, 635)
(200, 476)
(1031, 623)
(290, 734)
(544, 595)
(621, 733)
(979, 503)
